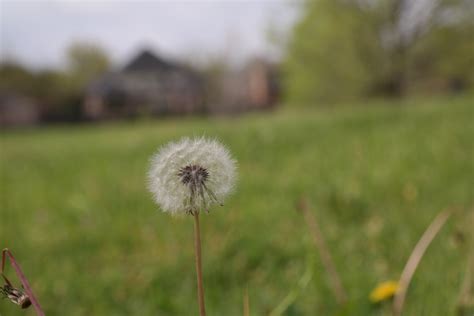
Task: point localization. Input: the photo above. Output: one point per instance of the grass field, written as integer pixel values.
(76, 212)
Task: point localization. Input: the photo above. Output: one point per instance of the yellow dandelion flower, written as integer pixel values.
(384, 291)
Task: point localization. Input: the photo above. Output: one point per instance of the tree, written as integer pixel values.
(345, 49)
(14, 78)
(85, 62)
(58, 93)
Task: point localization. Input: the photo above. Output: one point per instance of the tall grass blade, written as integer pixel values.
(415, 258)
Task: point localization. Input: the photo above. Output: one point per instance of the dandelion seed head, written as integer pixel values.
(191, 175)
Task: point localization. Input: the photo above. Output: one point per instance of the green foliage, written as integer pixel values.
(52, 91)
(14, 77)
(343, 50)
(454, 42)
(331, 53)
(85, 62)
(76, 213)
(58, 93)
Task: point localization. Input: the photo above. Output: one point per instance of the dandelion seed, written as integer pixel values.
(23, 297)
(191, 175)
(15, 295)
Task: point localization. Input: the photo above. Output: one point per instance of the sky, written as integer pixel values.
(37, 33)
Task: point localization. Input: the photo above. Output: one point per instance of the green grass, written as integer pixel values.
(76, 212)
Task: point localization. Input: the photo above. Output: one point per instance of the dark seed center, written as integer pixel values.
(193, 175)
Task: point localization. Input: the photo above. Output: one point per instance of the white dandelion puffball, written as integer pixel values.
(191, 175)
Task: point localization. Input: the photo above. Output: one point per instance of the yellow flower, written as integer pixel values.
(384, 291)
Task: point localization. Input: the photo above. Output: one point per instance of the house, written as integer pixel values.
(148, 85)
(252, 87)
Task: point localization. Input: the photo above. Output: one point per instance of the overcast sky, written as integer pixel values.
(37, 32)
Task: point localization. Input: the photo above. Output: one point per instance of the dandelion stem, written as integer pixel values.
(197, 248)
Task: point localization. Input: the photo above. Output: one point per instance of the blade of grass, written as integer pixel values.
(415, 258)
(24, 281)
(246, 302)
(293, 294)
(326, 258)
(466, 293)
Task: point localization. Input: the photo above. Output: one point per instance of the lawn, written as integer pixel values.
(76, 212)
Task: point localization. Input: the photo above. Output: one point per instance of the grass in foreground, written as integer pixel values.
(76, 213)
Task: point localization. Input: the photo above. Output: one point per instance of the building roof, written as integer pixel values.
(147, 61)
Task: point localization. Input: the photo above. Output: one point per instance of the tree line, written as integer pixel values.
(58, 92)
(352, 49)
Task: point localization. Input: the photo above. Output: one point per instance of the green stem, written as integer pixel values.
(197, 248)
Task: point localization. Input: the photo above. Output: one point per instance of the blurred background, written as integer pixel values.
(364, 108)
(71, 61)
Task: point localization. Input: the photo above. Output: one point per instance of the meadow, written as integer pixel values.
(76, 212)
